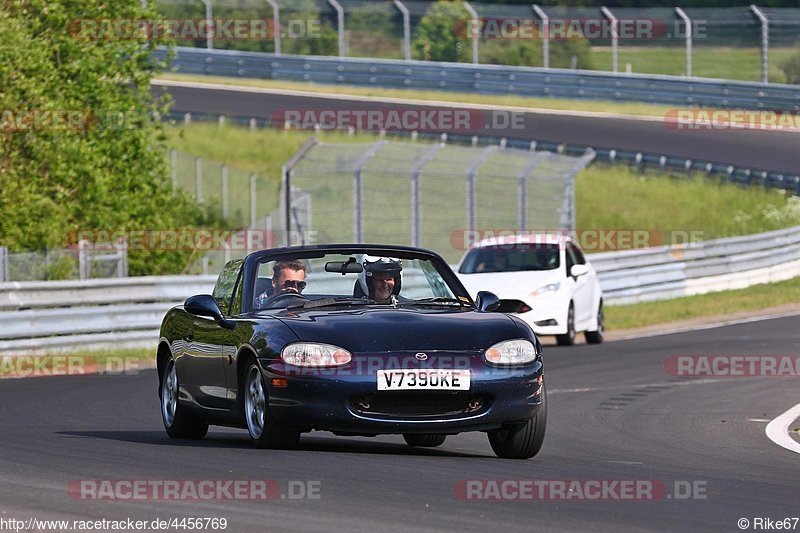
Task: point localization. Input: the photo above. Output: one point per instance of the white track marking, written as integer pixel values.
(778, 430)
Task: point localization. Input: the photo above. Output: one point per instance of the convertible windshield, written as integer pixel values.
(349, 279)
(518, 258)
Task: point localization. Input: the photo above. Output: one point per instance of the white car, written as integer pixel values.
(544, 279)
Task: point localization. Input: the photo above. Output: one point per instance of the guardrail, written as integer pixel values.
(57, 316)
(488, 79)
(697, 268)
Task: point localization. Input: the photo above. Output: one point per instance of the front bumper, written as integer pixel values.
(326, 400)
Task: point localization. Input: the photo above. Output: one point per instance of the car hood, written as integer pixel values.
(509, 285)
(375, 330)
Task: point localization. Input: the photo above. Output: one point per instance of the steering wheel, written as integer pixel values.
(282, 299)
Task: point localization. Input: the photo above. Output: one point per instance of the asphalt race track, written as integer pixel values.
(614, 414)
(761, 149)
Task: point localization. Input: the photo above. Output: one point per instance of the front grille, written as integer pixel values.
(419, 404)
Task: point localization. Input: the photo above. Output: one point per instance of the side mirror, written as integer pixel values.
(205, 305)
(578, 270)
(487, 301)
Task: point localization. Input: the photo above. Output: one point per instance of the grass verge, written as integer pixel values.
(724, 62)
(719, 303)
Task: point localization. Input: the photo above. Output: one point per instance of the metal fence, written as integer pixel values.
(84, 261)
(428, 195)
(641, 161)
(238, 197)
(667, 40)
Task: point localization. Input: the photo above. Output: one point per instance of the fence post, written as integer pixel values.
(614, 37)
(286, 200)
(682, 14)
(122, 257)
(276, 25)
(358, 211)
(416, 171)
(84, 266)
(198, 180)
(406, 29)
(764, 43)
(4, 263)
(209, 23)
(340, 27)
(522, 216)
(475, 30)
(252, 200)
(545, 33)
(224, 192)
(471, 173)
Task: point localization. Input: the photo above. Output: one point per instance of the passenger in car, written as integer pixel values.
(380, 279)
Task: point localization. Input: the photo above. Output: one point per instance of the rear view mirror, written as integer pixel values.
(344, 267)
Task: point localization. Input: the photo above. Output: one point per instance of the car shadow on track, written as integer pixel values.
(307, 443)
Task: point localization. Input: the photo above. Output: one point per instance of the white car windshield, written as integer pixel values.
(511, 258)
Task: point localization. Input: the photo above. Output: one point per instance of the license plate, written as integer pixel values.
(423, 379)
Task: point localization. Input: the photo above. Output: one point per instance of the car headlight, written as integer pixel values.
(515, 352)
(315, 354)
(547, 289)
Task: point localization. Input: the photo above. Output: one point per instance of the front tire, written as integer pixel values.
(264, 431)
(178, 423)
(522, 441)
(424, 441)
(568, 339)
(597, 336)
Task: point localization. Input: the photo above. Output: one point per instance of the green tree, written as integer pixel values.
(442, 34)
(104, 167)
(791, 67)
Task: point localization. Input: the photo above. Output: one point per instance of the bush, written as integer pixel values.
(94, 173)
(441, 34)
(791, 67)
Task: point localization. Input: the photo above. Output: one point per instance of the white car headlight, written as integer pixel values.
(547, 289)
(514, 352)
(315, 354)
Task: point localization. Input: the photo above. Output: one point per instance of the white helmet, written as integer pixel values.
(374, 264)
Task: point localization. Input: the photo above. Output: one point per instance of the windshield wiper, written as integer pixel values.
(327, 302)
(437, 300)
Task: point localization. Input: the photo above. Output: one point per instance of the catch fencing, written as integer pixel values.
(646, 40)
(423, 194)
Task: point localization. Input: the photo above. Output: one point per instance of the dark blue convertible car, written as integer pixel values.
(352, 339)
